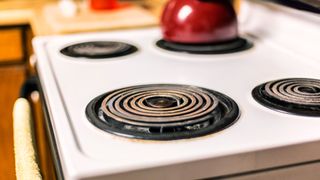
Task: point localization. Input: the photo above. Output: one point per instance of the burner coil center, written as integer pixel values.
(162, 102)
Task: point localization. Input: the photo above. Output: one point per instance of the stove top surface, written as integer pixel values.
(70, 83)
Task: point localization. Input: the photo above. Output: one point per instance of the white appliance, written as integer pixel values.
(262, 143)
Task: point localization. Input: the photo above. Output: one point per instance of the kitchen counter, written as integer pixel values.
(15, 17)
(13, 13)
(18, 12)
(32, 12)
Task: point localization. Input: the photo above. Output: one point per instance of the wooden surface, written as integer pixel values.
(156, 6)
(15, 12)
(130, 16)
(11, 79)
(44, 152)
(21, 4)
(11, 44)
(14, 17)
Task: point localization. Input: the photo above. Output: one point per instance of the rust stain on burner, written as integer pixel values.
(300, 96)
(125, 106)
(162, 112)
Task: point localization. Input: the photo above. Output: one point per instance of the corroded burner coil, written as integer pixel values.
(131, 105)
(298, 91)
(162, 111)
(296, 95)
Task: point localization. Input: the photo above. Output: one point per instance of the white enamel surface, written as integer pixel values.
(86, 151)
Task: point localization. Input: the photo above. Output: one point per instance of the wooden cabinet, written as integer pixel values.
(12, 78)
(15, 50)
(45, 159)
(13, 44)
(13, 53)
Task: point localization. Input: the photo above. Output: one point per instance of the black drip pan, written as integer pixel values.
(162, 112)
(237, 45)
(298, 96)
(98, 49)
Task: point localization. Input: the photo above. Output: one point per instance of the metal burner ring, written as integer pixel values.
(300, 96)
(217, 111)
(288, 90)
(127, 106)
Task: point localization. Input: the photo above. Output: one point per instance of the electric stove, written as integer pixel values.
(121, 106)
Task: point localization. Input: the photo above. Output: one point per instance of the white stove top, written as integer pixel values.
(285, 46)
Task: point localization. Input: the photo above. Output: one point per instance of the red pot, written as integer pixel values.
(199, 21)
(103, 4)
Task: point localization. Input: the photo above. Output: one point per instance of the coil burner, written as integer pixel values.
(162, 112)
(232, 46)
(98, 49)
(300, 96)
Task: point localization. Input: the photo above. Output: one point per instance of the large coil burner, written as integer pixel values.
(162, 111)
(98, 49)
(300, 96)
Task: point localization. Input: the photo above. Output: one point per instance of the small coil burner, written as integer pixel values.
(300, 96)
(232, 46)
(162, 112)
(99, 49)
